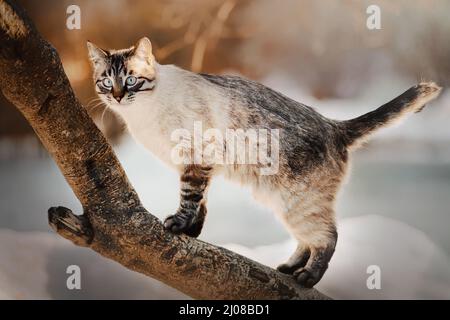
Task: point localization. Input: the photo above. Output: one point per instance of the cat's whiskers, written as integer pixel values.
(96, 106)
(102, 117)
(93, 101)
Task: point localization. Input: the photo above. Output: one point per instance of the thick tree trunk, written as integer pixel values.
(114, 222)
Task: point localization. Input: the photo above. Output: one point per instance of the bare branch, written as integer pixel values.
(114, 223)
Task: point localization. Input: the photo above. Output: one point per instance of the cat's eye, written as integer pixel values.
(131, 80)
(107, 83)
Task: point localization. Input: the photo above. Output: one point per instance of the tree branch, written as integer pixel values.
(114, 222)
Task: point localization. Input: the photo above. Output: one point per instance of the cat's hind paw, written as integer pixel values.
(308, 266)
(286, 268)
(307, 277)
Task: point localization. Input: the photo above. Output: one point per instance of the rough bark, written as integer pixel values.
(114, 223)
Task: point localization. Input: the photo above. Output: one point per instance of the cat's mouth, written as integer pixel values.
(124, 101)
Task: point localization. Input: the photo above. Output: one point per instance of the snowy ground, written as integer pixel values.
(411, 265)
(33, 266)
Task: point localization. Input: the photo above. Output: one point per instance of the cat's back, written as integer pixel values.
(273, 107)
(304, 133)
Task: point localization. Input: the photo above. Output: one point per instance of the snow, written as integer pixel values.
(412, 266)
(33, 266)
(22, 264)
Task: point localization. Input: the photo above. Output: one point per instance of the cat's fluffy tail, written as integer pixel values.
(412, 100)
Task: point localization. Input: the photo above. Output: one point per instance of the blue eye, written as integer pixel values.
(131, 80)
(107, 83)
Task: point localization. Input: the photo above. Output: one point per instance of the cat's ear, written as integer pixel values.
(96, 54)
(143, 50)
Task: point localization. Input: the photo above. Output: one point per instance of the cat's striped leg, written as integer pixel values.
(191, 213)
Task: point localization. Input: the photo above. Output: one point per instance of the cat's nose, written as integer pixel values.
(118, 95)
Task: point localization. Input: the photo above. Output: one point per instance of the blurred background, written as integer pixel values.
(393, 212)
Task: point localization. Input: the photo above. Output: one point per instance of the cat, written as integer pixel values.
(155, 99)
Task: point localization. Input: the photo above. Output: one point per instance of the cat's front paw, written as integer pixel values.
(189, 222)
(177, 223)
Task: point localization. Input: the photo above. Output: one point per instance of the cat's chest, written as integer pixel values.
(153, 136)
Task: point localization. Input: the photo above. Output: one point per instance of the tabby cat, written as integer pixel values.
(154, 100)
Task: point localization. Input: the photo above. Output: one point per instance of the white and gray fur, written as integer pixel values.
(314, 150)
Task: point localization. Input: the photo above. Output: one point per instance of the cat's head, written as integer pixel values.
(123, 77)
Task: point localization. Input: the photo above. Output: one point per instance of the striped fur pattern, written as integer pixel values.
(119, 78)
(191, 214)
(314, 150)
